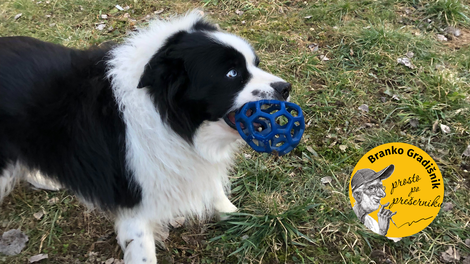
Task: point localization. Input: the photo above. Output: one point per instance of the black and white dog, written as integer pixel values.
(143, 130)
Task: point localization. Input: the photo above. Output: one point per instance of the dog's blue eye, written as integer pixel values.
(232, 73)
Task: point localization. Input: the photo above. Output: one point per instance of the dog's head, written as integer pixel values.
(202, 75)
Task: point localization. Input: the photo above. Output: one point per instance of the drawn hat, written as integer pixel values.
(363, 176)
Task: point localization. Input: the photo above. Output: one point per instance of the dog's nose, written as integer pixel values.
(283, 88)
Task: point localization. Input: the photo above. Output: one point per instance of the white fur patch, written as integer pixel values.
(9, 177)
(39, 181)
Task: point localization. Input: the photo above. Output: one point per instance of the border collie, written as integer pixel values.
(143, 130)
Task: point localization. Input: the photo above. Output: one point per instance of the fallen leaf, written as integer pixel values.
(37, 258)
(158, 11)
(38, 215)
(450, 255)
(443, 151)
(447, 206)
(101, 26)
(92, 257)
(18, 16)
(453, 31)
(126, 15)
(445, 129)
(313, 47)
(326, 180)
(441, 37)
(414, 122)
(458, 111)
(466, 153)
(238, 12)
(343, 148)
(109, 261)
(388, 92)
(360, 138)
(53, 201)
(12, 242)
(311, 150)
(177, 222)
(247, 156)
(364, 108)
(406, 61)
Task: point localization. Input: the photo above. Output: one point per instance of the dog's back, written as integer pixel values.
(50, 93)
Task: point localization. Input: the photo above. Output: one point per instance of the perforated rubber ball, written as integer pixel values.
(271, 126)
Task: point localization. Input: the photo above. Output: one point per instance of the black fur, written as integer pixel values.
(189, 90)
(58, 115)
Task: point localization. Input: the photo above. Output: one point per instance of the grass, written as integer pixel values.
(287, 214)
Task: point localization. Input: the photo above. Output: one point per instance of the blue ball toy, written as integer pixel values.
(270, 126)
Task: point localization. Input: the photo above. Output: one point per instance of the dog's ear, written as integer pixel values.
(164, 73)
(167, 82)
(166, 66)
(148, 77)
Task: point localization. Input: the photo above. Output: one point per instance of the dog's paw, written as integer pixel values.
(138, 252)
(224, 208)
(229, 208)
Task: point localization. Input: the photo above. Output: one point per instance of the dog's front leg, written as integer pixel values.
(222, 204)
(135, 236)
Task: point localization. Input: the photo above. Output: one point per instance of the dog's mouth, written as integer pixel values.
(230, 119)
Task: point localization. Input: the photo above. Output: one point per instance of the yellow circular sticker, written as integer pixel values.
(396, 190)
